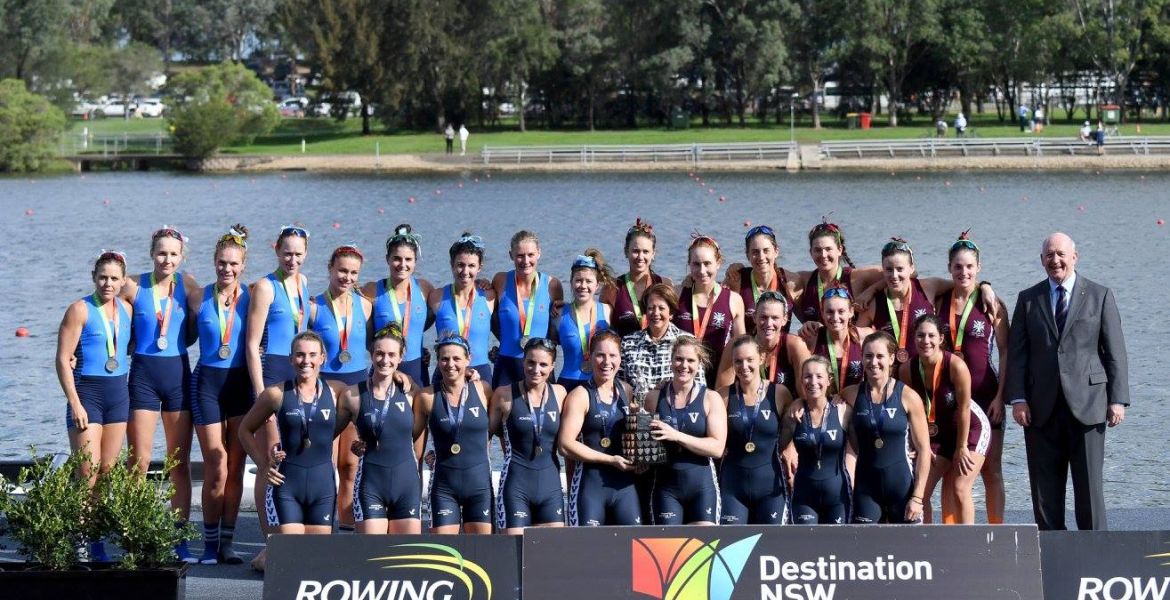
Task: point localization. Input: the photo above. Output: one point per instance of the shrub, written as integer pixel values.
(219, 106)
(29, 128)
(56, 515)
(135, 512)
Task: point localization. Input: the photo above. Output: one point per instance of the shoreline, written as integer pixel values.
(414, 163)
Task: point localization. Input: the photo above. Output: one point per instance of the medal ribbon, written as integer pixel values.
(525, 315)
(298, 309)
(378, 419)
(111, 336)
(456, 419)
(743, 413)
(821, 284)
(403, 321)
(929, 392)
(464, 323)
(632, 291)
(583, 335)
(305, 420)
(901, 328)
(346, 319)
(877, 419)
(225, 326)
(769, 370)
(773, 285)
(700, 326)
(819, 442)
(537, 414)
(957, 333)
(164, 320)
(608, 413)
(838, 366)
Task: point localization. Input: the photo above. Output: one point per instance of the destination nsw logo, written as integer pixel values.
(687, 568)
(428, 572)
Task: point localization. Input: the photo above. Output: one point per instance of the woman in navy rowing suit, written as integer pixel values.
(583, 317)
(959, 431)
(301, 492)
(839, 340)
(526, 299)
(625, 294)
(692, 420)
(95, 336)
(278, 311)
(460, 307)
(388, 490)
(341, 316)
(602, 491)
(402, 298)
(888, 420)
(762, 274)
(223, 394)
(526, 415)
(707, 310)
(160, 372)
(974, 333)
(817, 425)
(753, 487)
(456, 413)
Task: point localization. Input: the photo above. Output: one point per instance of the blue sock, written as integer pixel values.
(210, 544)
(181, 550)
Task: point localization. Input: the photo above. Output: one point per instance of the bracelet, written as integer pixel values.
(916, 498)
(984, 283)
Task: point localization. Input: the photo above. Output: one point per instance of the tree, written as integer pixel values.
(750, 45)
(1113, 33)
(27, 29)
(130, 69)
(520, 42)
(893, 36)
(29, 126)
(814, 44)
(217, 106)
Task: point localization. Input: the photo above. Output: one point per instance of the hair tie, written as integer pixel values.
(475, 240)
(585, 261)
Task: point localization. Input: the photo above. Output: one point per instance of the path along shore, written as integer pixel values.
(410, 163)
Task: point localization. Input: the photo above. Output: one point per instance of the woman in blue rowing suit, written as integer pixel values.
(402, 298)
(278, 311)
(456, 413)
(707, 310)
(160, 374)
(526, 299)
(388, 491)
(580, 319)
(763, 273)
(301, 493)
(462, 308)
(817, 426)
(781, 350)
(959, 431)
(95, 333)
(692, 420)
(888, 420)
(602, 491)
(223, 394)
(625, 294)
(752, 490)
(526, 417)
(340, 315)
(839, 340)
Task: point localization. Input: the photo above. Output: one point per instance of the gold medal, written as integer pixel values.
(225, 352)
(879, 444)
(749, 447)
(902, 356)
(456, 448)
(344, 357)
(308, 443)
(606, 442)
(539, 450)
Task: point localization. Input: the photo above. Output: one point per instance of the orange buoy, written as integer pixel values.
(411, 200)
(1161, 222)
(381, 211)
(336, 225)
(723, 198)
(747, 223)
(28, 212)
(22, 332)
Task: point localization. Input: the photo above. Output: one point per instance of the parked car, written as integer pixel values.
(83, 109)
(149, 107)
(293, 107)
(113, 108)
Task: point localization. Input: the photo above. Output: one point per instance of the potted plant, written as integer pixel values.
(59, 512)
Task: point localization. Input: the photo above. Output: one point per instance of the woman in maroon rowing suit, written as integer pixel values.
(706, 309)
(826, 246)
(625, 295)
(973, 333)
(839, 340)
(762, 274)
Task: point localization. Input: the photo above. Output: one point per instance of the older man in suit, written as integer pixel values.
(1067, 378)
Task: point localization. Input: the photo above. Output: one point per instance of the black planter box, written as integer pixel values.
(93, 581)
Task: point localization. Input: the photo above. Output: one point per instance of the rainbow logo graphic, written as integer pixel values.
(687, 568)
(444, 559)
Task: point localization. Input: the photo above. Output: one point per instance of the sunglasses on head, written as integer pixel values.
(539, 342)
(837, 292)
(453, 340)
(961, 244)
(759, 229)
(114, 254)
(294, 230)
(897, 246)
(235, 239)
(348, 249)
(171, 232)
(772, 295)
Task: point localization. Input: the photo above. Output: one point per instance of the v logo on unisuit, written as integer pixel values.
(688, 568)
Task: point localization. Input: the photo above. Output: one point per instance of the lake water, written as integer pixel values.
(47, 255)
